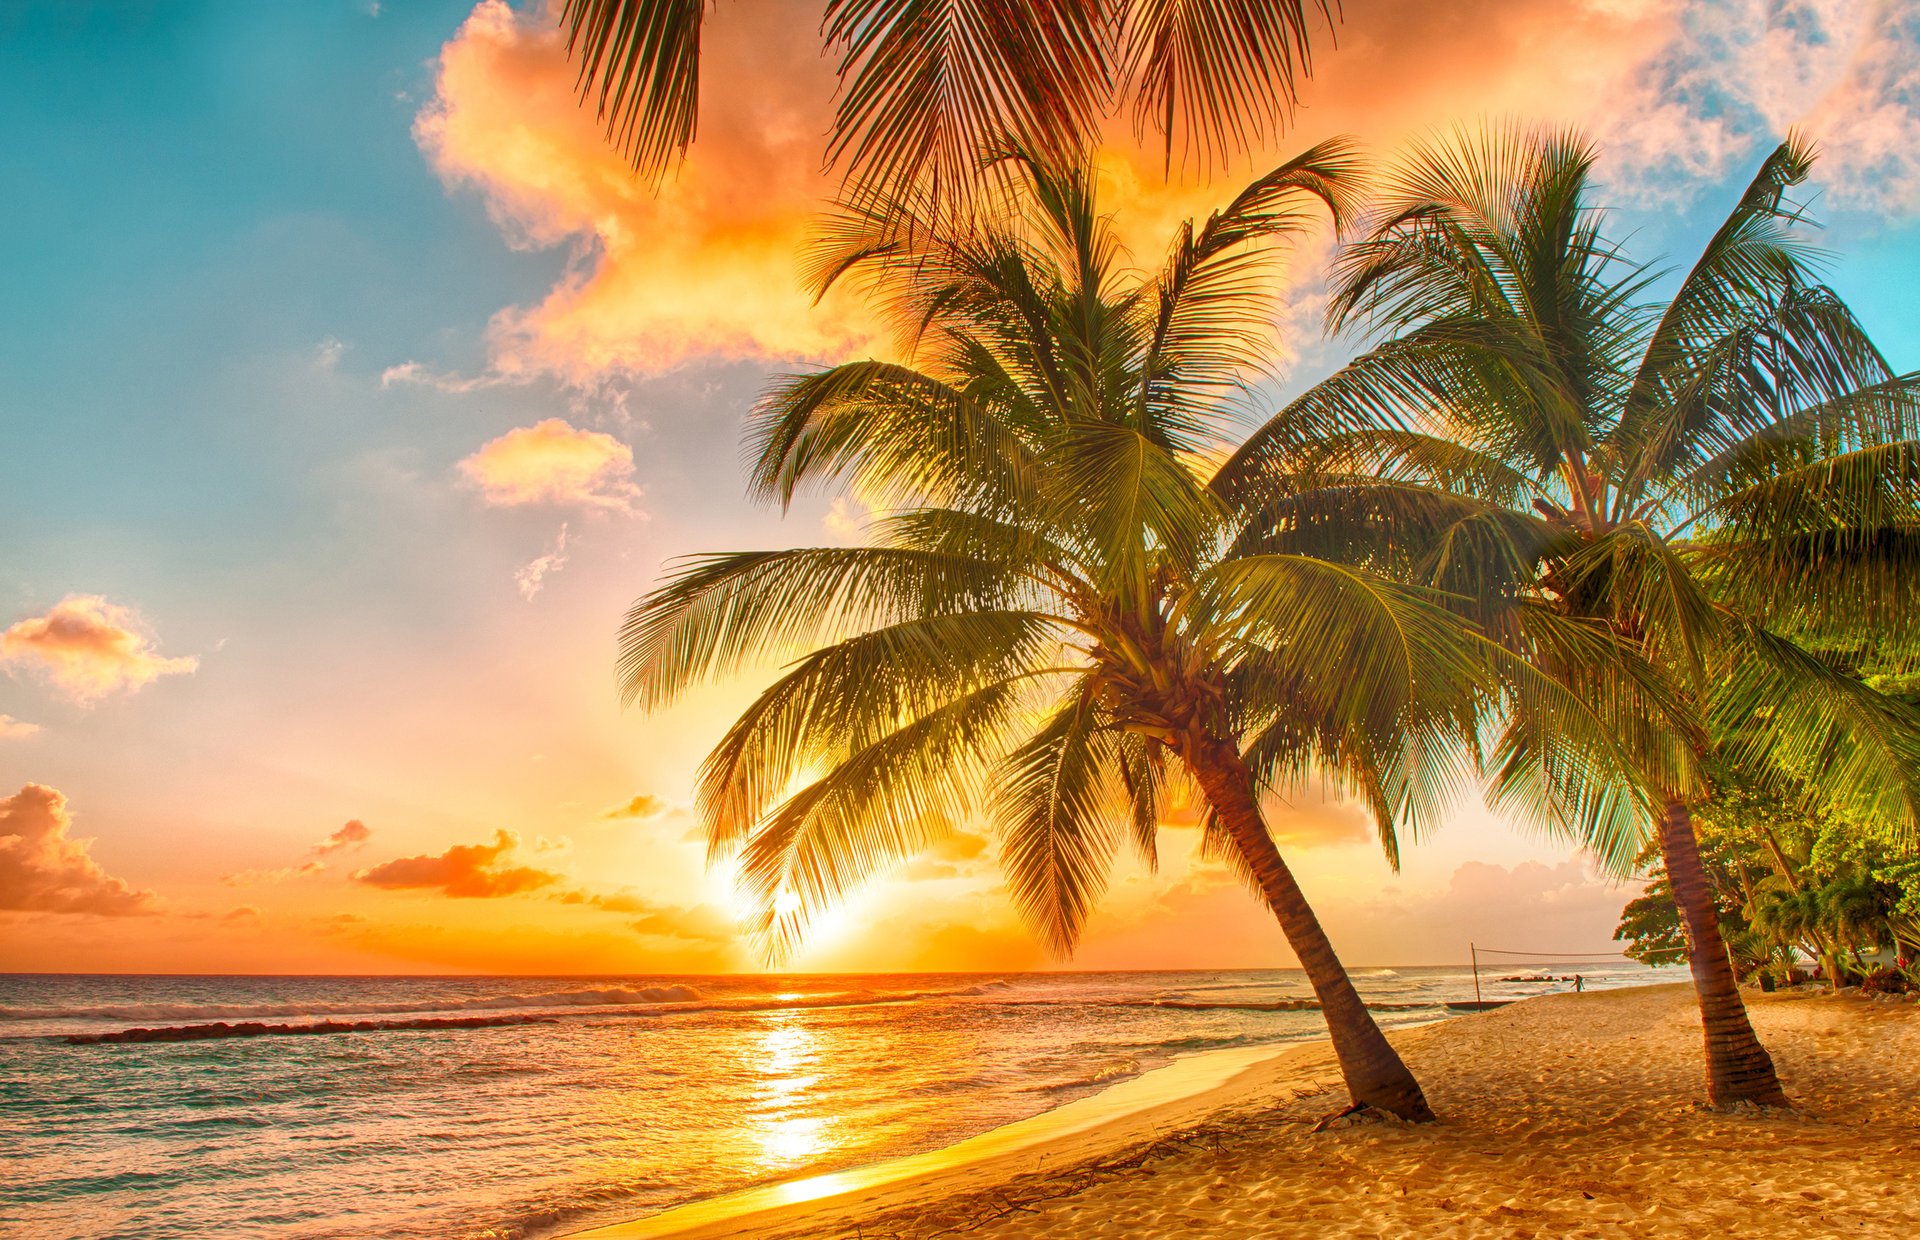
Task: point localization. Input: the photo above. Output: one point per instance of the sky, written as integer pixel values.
(351, 389)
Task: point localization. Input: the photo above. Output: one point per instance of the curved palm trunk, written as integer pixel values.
(1374, 1073)
(1738, 1067)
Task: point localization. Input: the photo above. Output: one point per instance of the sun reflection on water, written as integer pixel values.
(786, 1124)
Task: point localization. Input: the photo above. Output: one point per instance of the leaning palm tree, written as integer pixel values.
(928, 85)
(1051, 627)
(1718, 480)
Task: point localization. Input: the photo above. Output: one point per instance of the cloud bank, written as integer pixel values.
(43, 870)
(1678, 96)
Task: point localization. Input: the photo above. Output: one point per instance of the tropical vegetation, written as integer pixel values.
(1724, 478)
(1793, 884)
(1060, 621)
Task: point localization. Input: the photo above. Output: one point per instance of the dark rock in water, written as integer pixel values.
(256, 1029)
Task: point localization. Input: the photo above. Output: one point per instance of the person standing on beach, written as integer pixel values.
(1579, 983)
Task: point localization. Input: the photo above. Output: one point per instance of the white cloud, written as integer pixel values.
(533, 574)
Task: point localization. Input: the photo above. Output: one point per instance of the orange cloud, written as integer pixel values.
(90, 649)
(1677, 96)
(552, 462)
(12, 729)
(351, 835)
(645, 805)
(705, 265)
(44, 871)
(468, 871)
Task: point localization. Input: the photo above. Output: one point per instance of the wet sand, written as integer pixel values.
(1568, 1115)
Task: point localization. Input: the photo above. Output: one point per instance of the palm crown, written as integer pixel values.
(1716, 479)
(1060, 622)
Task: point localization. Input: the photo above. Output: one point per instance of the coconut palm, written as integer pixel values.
(1718, 479)
(929, 85)
(1051, 625)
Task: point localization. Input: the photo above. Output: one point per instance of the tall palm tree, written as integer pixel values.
(1053, 626)
(929, 85)
(1717, 480)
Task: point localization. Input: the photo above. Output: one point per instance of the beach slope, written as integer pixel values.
(1570, 1115)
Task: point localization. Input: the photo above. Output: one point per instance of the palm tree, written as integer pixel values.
(1718, 480)
(928, 85)
(1053, 625)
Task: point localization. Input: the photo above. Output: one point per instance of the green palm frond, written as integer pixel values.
(1126, 496)
(1364, 651)
(846, 696)
(720, 612)
(1752, 258)
(1062, 810)
(893, 432)
(880, 805)
(1216, 292)
(1788, 711)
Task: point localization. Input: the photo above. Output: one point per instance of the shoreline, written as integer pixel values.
(1164, 1102)
(1562, 1114)
(1167, 1098)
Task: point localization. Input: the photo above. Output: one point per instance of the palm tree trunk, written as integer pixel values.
(1738, 1067)
(1374, 1072)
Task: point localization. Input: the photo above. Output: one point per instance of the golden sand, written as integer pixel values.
(1570, 1115)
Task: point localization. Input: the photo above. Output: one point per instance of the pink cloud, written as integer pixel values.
(12, 729)
(467, 871)
(553, 462)
(90, 649)
(43, 870)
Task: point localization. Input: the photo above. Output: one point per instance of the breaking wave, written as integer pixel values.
(607, 996)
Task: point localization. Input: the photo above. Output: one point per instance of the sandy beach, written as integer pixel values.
(1568, 1115)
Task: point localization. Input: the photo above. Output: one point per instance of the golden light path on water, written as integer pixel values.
(786, 1054)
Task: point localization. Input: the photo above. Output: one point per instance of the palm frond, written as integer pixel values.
(640, 68)
(1061, 812)
(893, 432)
(1786, 711)
(1217, 289)
(844, 697)
(931, 84)
(880, 805)
(719, 612)
(1217, 76)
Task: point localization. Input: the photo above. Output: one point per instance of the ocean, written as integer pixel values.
(605, 1099)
